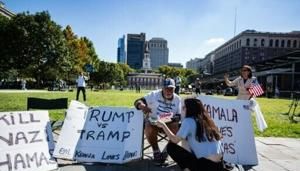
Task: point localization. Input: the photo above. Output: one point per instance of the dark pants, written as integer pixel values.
(83, 92)
(198, 91)
(177, 88)
(186, 159)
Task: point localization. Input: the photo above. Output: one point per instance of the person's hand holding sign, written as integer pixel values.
(166, 117)
(144, 108)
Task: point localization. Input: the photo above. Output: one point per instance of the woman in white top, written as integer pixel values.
(243, 82)
(203, 138)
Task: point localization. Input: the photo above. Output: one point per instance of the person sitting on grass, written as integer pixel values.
(156, 104)
(203, 138)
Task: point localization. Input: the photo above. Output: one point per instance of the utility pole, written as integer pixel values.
(235, 13)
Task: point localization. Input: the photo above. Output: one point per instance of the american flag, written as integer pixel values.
(255, 89)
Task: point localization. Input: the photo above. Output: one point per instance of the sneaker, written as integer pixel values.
(160, 158)
(164, 156)
(157, 158)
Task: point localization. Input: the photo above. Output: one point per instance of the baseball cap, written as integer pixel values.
(169, 82)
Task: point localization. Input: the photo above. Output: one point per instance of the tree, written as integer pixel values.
(108, 73)
(72, 44)
(185, 74)
(81, 50)
(35, 45)
(92, 55)
(126, 70)
(4, 55)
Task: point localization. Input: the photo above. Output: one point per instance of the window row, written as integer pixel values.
(139, 79)
(158, 45)
(235, 45)
(274, 43)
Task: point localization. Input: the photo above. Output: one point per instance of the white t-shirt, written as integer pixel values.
(81, 81)
(207, 148)
(159, 105)
(177, 81)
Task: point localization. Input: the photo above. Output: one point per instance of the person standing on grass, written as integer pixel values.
(198, 87)
(244, 82)
(23, 84)
(177, 84)
(81, 86)
(156, 104)
(203, 138)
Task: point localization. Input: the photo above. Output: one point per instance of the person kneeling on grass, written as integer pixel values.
(203, 138)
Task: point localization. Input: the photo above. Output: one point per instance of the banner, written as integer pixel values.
(101, 134)
(234, 121)
(26, 141)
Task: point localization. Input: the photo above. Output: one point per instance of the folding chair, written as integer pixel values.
(48, 104)
(161, 137)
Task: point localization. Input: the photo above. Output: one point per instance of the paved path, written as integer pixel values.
(23, 91)
(274, 154)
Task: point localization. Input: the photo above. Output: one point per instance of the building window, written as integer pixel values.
(248, 42)
(288, 43)
(271, 43)
(295, 44)
(262, 42)
(276, 43)
(282, 43)
(254, 43)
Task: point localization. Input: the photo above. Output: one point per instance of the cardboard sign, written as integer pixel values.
(26, 141)
(234, 121)
(101, 134)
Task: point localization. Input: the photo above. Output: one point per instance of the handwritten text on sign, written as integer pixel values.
(234, 121)
(24, 143)
(102, 134)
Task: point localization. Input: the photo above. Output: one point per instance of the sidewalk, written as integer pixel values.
(23, 91)
(274, 154)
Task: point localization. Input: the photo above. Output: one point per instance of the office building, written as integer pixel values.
(250, 47)
(121, 54)
(135, 50)
(5, 12)
(159, 52)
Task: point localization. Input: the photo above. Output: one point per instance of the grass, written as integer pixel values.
(278, 124)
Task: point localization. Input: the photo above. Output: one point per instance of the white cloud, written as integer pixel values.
(214, 41)
(207, 46)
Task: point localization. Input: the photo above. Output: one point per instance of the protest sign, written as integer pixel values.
(234, 121)
(101, 134)
(26, 141)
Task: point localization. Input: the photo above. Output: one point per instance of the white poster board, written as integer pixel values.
(233, 118)
(101, 134)
(24, 142)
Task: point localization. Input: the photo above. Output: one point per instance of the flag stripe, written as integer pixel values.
(256, 90)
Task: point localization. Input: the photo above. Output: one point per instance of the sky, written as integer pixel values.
(192, 28)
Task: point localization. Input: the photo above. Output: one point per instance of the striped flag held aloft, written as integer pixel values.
(255, 90)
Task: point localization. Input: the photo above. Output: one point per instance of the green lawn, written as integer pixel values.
(279, 125)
